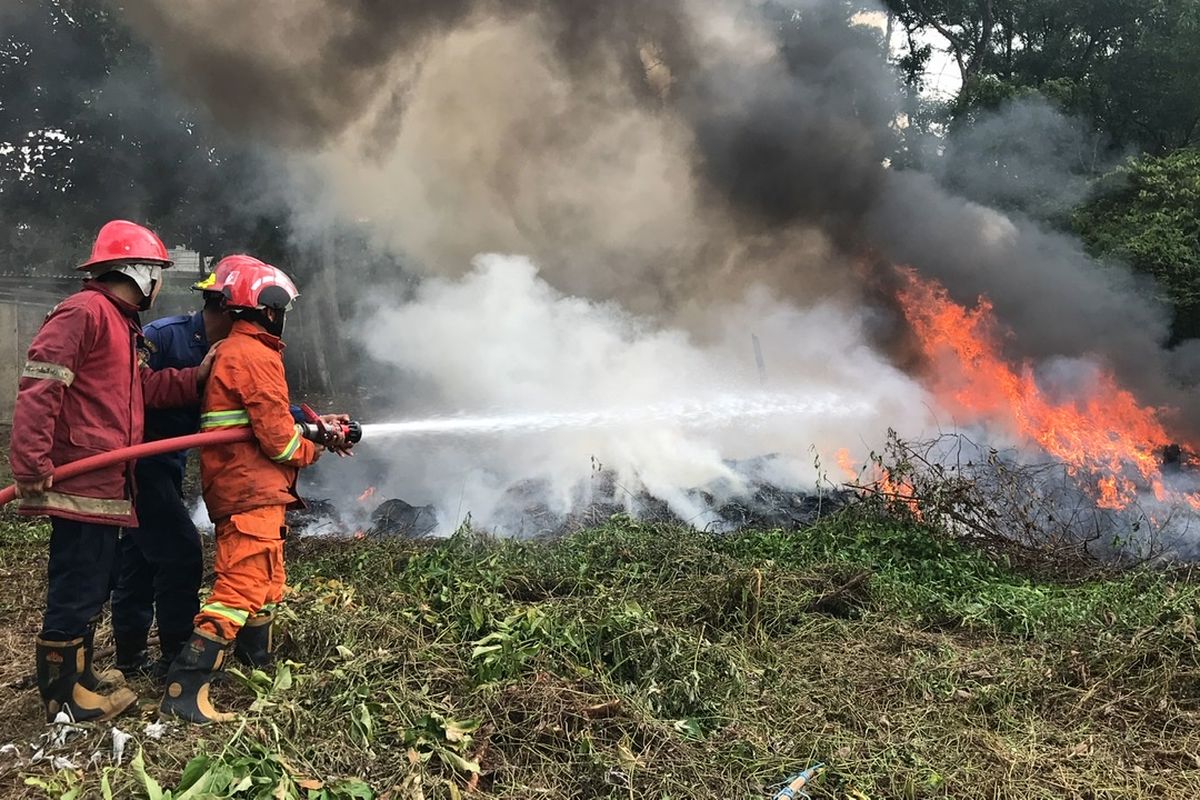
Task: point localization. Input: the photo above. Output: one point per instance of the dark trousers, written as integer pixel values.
(79, 576)
(161, 563)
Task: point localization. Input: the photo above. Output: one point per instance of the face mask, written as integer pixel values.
(144, 275)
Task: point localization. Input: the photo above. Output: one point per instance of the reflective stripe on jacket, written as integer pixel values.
(247, 387)
(83, 392)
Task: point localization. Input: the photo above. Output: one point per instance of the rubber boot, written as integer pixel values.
(189, 677)
(60, 668)
(92, 680)
(133, 656)
(169, 646)
(256, 642)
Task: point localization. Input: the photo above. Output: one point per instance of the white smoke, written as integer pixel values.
(500, 340)
(684, 174)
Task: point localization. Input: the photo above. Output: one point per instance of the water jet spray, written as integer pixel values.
(720, 410)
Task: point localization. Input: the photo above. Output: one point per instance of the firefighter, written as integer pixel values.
(247, 488)
(161, 562)
(82, 392)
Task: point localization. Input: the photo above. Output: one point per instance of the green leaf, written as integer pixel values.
(352, 789)
(690, 728)
(483, 650)
(454, 760)
(283, 678)
(138, 765)
(193, 770)
(363, 722)
(459, 730)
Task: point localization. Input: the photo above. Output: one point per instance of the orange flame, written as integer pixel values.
(899, 491)
(1105, 437)
(367, 494)
(845, 463)
(882, 482)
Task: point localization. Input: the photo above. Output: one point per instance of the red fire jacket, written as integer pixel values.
(248, 387)
(82, 392)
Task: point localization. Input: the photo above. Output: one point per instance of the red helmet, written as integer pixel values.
(258, 286)
(215, 281)
(124, 241)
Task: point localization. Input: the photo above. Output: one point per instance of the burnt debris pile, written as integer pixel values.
(523, 511)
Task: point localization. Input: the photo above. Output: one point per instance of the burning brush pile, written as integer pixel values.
(1062, 458)
(1067, 460)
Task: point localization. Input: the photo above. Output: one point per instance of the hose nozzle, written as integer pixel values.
(337, 436)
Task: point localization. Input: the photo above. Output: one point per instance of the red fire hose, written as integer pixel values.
(144, 450)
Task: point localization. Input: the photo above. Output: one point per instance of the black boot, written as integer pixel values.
(188, 678)
(133, 657)
(91, 679)
(169, 646)
(256, 642)
(60, 670)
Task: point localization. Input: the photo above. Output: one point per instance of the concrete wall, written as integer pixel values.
(24, 303)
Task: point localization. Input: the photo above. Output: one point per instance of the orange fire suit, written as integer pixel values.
(248, 486)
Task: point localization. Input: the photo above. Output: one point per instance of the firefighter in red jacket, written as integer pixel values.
(247, 488)
(83, 392)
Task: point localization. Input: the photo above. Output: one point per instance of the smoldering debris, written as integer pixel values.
(397, 518)
(522, 511)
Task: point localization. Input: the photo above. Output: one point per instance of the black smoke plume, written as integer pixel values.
(664, 155)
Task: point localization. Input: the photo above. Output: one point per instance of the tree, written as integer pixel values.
(1147, 213)
(89, 132)
(1126, 65)
(966, 25)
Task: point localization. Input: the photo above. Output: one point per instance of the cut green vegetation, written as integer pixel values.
(643, 661)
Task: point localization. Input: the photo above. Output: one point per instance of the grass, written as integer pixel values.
(642, 661)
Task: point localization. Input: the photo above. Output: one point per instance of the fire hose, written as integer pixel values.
(313, 430)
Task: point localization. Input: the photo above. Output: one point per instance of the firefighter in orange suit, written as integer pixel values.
(247, 487)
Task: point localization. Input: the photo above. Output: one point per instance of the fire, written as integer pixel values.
(882, 483)
(845, 463)
(367, 494)
(899, 491)
(1106, 437)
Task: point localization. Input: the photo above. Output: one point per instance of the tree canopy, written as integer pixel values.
(1126, 65)
(1147, 214)
(89, 131)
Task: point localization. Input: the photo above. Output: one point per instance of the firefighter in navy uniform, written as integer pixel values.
(161, 562)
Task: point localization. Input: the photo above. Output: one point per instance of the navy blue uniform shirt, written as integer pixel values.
(177, 342)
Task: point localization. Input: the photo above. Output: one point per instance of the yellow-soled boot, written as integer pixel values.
(189, 676)
(92, 679)
(60, 670)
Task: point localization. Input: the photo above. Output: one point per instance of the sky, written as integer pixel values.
(941, 76)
